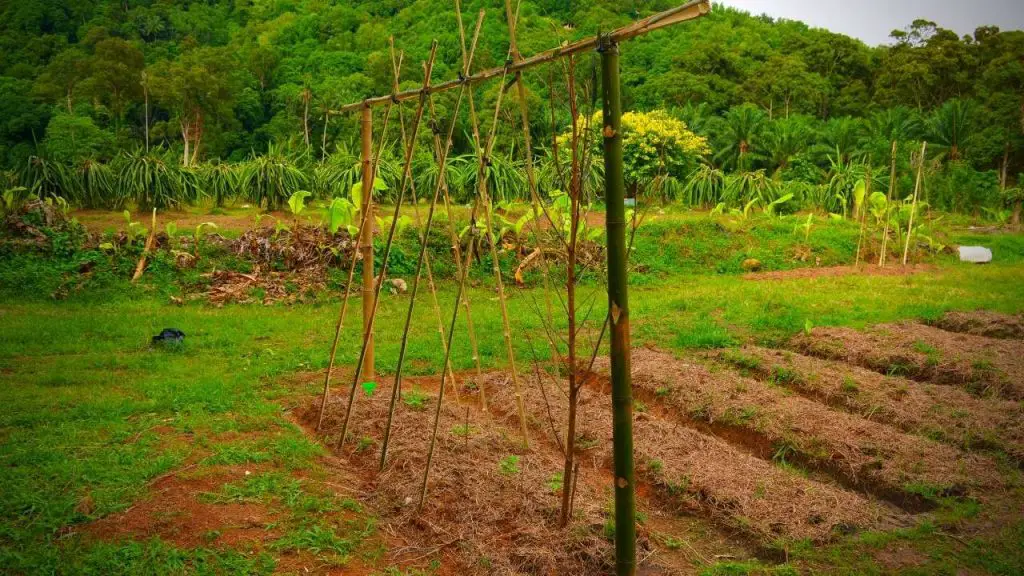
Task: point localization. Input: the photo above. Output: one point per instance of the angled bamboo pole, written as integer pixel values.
(863, 214)
(148, 248)
(364, 221)
(396, 66)
(531, 178)
(618, 309)
(483, 198)
(442, 164)
(913, 204)
(888, 207)
(406, 176)
(451, 332)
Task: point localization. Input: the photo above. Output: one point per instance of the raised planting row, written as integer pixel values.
(944, 413)
(776, 424)
(700, 474)
(982, 323)
(491, 506)
(982, 365)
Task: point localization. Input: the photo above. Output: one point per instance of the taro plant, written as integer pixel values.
(200, 232)
(297, 203)
(133, 230)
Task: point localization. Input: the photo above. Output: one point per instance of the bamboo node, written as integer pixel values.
(609, 132)
(621, 482)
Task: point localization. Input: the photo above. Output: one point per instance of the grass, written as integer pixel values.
(93, 414)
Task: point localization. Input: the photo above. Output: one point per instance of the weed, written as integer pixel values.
(463, 430)
(415, 399)
(655, 466)
(849, 385)
(364, 444)
(555, 483)
(785, 376)
(639, 406)
(509, 465)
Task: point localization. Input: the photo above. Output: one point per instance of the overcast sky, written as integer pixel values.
(872, 20)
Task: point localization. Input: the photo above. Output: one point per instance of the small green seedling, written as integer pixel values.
(509, 465)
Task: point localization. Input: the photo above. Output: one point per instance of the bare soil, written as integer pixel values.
(945, 413)
(174, 511)
(984, 366)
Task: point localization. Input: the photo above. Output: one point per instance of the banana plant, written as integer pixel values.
(200, 232)
(806, 227)
(342, 213)
(297, 203)
(133, 230)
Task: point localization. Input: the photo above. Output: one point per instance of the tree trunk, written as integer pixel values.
(185, 136)
(145, 93)
(327, 120)
(306, 95)
(1015, 219)
(1006, 161)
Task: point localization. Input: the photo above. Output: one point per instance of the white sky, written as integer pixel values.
(872, 20)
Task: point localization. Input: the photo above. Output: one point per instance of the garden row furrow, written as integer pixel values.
(982, 365)
(944, 413)
(704, 475)
(908, 470)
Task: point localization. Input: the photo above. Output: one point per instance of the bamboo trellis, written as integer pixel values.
(515, 64)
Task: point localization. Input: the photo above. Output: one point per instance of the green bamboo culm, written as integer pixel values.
(618, 311)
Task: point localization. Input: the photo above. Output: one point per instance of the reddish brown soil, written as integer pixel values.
(946, 413)
(984, 366)
(982, 323)
(774, 424)
(175, 512)
(834, 271)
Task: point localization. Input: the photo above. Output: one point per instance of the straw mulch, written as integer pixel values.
(982, 323)
(263, 287)
(856, 451)
(492, 506)
(984, 366)
(943, 412)
(700, 474)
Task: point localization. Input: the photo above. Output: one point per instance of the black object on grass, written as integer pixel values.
(169, 336)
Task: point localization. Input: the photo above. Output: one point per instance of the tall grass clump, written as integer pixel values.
(270, 179)
(153, 181)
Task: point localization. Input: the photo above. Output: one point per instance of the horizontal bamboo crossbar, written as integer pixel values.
(688, 11)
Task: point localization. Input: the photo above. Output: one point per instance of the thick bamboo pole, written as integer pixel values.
(366, 237)
(618, 308)
(688, 11)
(913, 203)
(888, 207)
(364, 221)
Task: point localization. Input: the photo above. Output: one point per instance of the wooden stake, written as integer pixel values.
(145, 251)
(888, 207)
(863, 214)
(913, 205)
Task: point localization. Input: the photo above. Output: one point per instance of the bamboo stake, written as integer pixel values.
(888, 207)
(406, 176)
(363, 222)
(483, 153)
(913, 205)
(396, 66)
(145, 250)
(863, 214)
(531, 179)
(442, 163)
(451, 333)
